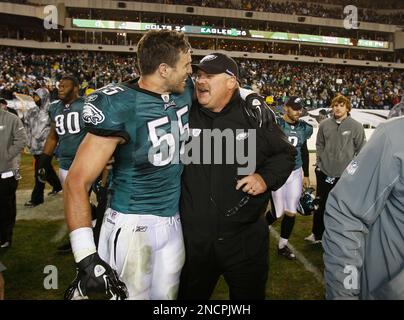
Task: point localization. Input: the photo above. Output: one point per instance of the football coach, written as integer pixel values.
(222, 211)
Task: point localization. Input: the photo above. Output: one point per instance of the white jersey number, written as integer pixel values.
(110, 90)
(293, 140)
(71, 125)
(161, 139)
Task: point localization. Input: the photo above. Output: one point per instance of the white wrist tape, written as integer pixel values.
(82, 241)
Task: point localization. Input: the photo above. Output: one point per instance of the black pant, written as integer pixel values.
(8, 208)
(51, 178)
(242, 259)
(323, 189)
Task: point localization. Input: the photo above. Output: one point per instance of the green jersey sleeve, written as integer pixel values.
(106, 112)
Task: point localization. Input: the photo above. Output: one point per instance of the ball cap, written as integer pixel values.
(296, 103)
(216, 63)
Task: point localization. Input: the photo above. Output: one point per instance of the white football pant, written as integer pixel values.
(147, 251)
(62, 176)
(287, 197)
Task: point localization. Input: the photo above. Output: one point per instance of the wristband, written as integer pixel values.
(82, 241)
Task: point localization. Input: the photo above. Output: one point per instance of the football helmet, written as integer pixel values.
(308, 203)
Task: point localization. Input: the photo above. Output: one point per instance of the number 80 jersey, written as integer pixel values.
(147, 170)
(69, 128)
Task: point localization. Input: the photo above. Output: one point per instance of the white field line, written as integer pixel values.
(300, 257)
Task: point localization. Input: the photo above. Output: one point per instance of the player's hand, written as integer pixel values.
(256, 108)
(44, 163)
(306, 182)
(252, 184)
(95, 279)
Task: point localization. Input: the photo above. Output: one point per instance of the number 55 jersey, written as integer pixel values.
(147, 169)
(69, 128)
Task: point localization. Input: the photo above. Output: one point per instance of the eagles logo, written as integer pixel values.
(93, 115)
(91, 98)
(209, 57)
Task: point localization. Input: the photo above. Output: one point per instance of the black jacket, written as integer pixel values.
(208, 190)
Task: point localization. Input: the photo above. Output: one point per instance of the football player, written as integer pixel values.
(144, 124)
(67, 128)
(286, 199)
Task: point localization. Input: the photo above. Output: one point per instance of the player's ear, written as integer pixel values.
(163, 70)
(232, 83)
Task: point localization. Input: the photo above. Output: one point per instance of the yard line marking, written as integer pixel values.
(306, 263)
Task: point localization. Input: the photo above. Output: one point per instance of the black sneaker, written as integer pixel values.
(30, 204)
(65, 248)
(287, 253)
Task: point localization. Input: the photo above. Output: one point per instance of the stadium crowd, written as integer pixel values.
(317, 84)
(24, 71)
(291, 7)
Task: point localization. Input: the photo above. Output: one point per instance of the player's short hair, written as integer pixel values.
(341, 99)
(71, 78)
(160, 46)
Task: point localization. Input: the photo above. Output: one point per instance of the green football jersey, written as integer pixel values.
(69, 127)
(147, 169)
(297, 133)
